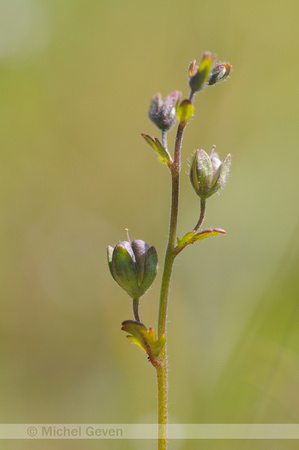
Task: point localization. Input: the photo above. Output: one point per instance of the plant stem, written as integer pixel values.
(135, 309)
(162, 380)
(169, 256)
(202, 214)
(164, 139)
(162, 375)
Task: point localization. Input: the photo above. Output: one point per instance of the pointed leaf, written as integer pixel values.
(206, 233)
(137, 341)
(185, 239)
(163, 155)
(137, 332)
(163, 152)
(145, 339)
(150, 141)
(190, 238)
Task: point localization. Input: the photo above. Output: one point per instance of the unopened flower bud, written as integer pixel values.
(133, 266)
(192, 69)
(207, 173)
(219, 73)
(163, 114)
(199, 75)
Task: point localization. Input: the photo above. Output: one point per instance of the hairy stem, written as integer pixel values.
(169, 257)
(162, 376)
(162, 381)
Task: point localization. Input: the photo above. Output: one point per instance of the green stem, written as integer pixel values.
(169, 256)
(162, 381)
(135, 309)
(164, 139)
(162, 375)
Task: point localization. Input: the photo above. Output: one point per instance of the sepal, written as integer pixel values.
(124, 268)
(199, 75)
(150, 269)
(207, 173)
(109, 258)
(219, 73)
(133, 266)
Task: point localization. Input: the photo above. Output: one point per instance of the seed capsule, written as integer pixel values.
(133, 266)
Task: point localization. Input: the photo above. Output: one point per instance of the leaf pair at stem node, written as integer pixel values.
(145, 339)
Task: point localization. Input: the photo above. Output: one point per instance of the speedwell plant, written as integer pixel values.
(133, 265)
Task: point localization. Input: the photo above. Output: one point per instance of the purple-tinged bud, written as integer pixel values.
(133, 266)
(192, 69)
(207, 173)
(219, 73)
(163, 114)
(199, 75)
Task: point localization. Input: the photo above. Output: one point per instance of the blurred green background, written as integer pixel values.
(76, 79)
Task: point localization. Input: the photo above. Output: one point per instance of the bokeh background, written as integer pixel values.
(76, 79)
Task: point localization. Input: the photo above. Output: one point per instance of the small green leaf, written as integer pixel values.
(206, 233)
(162, 152)
(156, 145)
(138, 333)
(155, 344)
(144, 339)
(150, 141)
(136, 341)
(185, 112)
(190, 238)
(185, 239)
